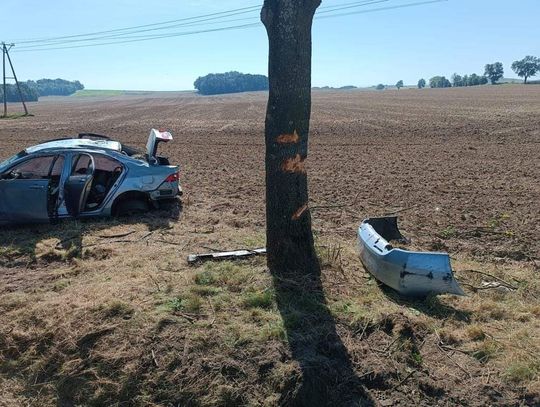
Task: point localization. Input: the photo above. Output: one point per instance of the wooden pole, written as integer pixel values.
(16, 81)
(4, 76)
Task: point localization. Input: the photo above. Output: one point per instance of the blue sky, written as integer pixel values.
(363, 49)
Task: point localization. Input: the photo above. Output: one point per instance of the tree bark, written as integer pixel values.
(290, 243)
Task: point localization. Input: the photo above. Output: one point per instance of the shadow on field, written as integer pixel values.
(328, 377)
(20, 243)
(431, 305)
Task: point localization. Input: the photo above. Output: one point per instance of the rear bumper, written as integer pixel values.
(415, 274)
(167, 192)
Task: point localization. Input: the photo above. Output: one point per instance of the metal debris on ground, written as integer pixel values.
(410, 273)
(231, 255)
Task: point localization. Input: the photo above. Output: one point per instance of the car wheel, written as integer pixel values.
(132, 207)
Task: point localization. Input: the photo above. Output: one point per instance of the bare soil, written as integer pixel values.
(91, 320)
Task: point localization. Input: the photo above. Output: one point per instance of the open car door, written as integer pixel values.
(78, 185)
(24, 191)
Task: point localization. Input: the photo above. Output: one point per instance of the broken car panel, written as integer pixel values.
(415, 274)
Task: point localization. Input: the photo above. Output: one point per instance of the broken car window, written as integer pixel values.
(35, 168)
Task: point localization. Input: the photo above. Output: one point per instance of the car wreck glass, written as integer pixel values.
(5, 164)
(35, 168)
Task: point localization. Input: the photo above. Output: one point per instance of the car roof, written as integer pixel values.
(76, 143)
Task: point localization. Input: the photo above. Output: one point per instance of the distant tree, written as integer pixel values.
(494, 72)
(483, 80)
(55, 87)
(526, 67)
(380, 86)
(230, 82)
(439, 82)
(465, 80)
(12, 94)
(421, 83)
(474, 80)
(399, 84)
(457, 80)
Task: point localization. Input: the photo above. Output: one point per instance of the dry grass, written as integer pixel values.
(136, 323)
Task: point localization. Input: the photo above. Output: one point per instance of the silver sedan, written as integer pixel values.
(84, 176)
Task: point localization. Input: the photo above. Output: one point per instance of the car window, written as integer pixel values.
(82, 165)
(11, 160)
(105, 163)
(57, 167)
(35, 168)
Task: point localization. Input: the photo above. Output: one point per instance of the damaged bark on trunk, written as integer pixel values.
(289, 237)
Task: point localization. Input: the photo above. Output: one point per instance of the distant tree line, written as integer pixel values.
(230, 82)
(12, 94)
(346, 87)
(55, 87)
(468, 80)
(524, 68)
(439, 82)
(32, 90)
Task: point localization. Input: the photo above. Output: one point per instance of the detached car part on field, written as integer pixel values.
(415, 274)
(84, 176)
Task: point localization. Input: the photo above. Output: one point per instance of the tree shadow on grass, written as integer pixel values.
(328, 377)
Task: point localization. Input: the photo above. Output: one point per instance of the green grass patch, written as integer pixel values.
(205, 291)
(519, 372)
(417, 358)
(487, 350)
(188, 303)
(234, 276)
(14, 116)
(117, 309)
(206, 277)
(273, 330)
(255, 241)
(263, 299)
(448, 232)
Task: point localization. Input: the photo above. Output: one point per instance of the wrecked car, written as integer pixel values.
(84, 176)
(410, 273)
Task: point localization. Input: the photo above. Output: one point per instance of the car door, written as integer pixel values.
(78, 184)
(24, 190)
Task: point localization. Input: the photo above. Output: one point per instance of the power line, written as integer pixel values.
(145, 39)
(131, 38)
(32, 40)
(420, 3)
(127, 34)
(118, 34)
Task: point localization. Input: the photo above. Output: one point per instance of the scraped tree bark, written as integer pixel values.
(289, 237)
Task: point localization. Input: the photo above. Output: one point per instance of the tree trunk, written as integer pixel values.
(290, 243)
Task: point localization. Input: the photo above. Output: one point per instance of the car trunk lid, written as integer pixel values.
(156, 137)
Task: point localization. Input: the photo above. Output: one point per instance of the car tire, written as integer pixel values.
(131, 207)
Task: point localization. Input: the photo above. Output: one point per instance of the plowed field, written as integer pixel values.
(87, 317)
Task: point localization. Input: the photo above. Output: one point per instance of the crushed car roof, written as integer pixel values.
(76, 143)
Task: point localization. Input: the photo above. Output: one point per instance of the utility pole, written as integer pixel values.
(4, 76)
(5, 53)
